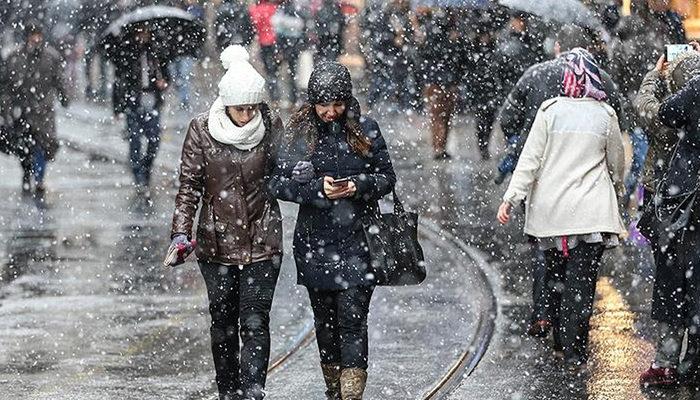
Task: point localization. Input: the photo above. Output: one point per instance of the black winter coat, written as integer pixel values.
(233, 25)
(329, 242)
(682, 111)
(542, 82)
(443, 53)
(130, 92)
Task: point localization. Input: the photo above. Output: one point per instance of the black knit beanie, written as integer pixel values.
(330, 81)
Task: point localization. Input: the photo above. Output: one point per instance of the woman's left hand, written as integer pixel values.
(340, 191)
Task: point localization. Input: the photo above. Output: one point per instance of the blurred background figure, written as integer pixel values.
(183, 65)
(232, 24)
(329, 27)
(289, 22)
(140, 81)
(261, 14)
(33, 80)
(639, 41)
(442, 53)
(389, 51)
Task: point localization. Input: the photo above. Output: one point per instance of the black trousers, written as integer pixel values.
(240, 299)
(573, 279)
(340, 317)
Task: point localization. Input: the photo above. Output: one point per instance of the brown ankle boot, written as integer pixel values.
(331, 374)
(352, 383)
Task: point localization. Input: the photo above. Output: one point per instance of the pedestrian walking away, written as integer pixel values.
(571, 171)
(32, 80)
(140, 80)
(539, 83)
(227, 157)
(336, 166)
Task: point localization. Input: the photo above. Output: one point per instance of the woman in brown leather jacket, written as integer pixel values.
(227, 158)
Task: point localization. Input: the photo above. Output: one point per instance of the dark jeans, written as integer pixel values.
(240, 299)
(484, 117)
(341, 325)
(543, 309)
(291, 50)
(269, 58)
(573, 279)
(143, 125)
(34, 164)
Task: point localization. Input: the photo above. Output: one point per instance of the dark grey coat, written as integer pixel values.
(542, 82)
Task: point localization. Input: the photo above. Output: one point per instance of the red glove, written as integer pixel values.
(180, 248)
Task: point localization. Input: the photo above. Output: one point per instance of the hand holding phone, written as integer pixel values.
(338, 188)
(340, 182)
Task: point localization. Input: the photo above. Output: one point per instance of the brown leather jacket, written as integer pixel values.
(239, 223)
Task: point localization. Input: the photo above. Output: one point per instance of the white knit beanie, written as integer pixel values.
(241, 83)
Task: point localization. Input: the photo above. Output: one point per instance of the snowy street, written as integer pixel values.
(87, 307)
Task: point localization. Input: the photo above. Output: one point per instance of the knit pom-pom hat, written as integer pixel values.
(241, 83)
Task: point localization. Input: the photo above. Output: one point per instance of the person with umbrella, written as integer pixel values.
(228, 155)
(141, 78)
(33, 81)
(140, 44)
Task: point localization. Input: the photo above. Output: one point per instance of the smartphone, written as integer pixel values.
(341, 181)
(674, 50)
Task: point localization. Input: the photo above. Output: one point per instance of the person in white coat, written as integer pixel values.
(570, 174)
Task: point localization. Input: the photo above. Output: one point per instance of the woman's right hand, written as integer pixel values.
(504, 212)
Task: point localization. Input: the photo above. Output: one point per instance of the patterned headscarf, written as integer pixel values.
(582, 76)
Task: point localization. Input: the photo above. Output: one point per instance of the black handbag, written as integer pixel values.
(395, 253)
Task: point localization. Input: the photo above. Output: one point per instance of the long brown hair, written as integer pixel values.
(302, 124)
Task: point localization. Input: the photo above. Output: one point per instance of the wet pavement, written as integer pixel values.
(87, 312)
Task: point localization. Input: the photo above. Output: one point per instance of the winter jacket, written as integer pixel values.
(135, 77)
(661, 139)
(239, 222)
(515, 53)
(443, 52)
(682, 111)
(542, 82)
(639, 43)
(261, 16)
(329, 23)
(34, 80)
(387, 36)
(569, 170)
(329, 240)
(233, 25)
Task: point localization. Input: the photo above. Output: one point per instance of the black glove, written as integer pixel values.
(303, 172)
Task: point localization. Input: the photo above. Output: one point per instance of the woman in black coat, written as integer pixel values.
(328, 141)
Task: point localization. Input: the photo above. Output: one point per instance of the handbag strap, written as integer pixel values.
(398, 205)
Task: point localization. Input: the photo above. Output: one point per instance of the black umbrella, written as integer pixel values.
(562, 11)
(173, 31)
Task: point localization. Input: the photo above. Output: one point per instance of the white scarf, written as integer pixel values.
(223, 130)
